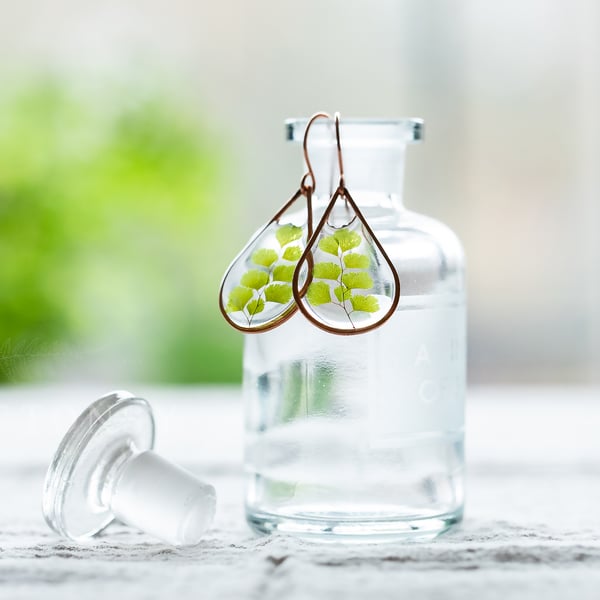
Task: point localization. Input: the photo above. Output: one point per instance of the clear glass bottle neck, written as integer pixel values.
(373, 175)
(373, 153)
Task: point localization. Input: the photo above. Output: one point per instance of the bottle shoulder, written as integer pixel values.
(412, 228)
(426, 252)
(438, 232)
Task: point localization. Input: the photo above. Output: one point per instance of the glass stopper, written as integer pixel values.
(104, 468)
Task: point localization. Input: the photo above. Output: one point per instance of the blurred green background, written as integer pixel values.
(111, 236)
(142, 143)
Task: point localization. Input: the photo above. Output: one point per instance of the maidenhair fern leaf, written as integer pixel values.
(342, 293)
(365, 303)
(288, 233)
(255, 306)
(283, 273)
(278, 292)
(357, 280)
(254, 279)
(347, 239)
(292, 253)
(327, 270)
(238, 298)
(318, 293)
(354, 260)
(264, 257)
(260, 285)
(329, 244)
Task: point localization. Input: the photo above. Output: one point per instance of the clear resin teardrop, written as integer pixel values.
(345, 282)
(256, 292)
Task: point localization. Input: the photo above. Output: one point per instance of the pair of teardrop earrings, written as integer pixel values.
(338, 276)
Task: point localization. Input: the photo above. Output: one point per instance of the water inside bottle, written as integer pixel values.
(359, 435)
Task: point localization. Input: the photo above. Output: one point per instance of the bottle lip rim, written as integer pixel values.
(386, 130)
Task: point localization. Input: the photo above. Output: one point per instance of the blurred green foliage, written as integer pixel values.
(111, 222)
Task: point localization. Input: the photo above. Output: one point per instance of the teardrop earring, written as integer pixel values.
(256, 291)
(344, 282)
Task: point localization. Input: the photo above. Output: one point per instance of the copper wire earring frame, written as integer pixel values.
(307, 186)
(341, 192)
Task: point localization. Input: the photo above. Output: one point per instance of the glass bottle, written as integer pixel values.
(362, 436)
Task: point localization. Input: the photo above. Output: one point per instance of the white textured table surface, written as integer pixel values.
(532, 526)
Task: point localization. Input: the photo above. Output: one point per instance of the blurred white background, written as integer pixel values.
(510, 93)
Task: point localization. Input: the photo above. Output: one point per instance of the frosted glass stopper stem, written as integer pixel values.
(163, 499)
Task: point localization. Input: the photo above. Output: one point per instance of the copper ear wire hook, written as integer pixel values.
(305, 190)
(341, 183)
(339, 149)
(310, 173)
